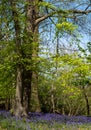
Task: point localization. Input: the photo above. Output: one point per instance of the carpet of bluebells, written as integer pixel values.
(41, 121)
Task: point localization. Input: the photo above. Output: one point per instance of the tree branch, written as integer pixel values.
(49, 15)
(61, 12)
(80, 11)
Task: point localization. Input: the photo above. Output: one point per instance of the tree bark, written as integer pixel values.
(24, 87)
(87, 101)
(18, 108)
(32, 29)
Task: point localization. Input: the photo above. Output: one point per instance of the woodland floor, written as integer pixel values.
(41, 121)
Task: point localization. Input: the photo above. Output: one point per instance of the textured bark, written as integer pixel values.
(18, 105)
(24, 87)
(18, 109)
(32, 29)
(35, 105)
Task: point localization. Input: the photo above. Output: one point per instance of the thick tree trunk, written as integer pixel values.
(27, 75)
(24, 87)
(35, 105)
(18, 109)
(32, 29)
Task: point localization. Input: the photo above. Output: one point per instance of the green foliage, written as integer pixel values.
(63, 76)
(7, 70)
(46, 4)
(66, 26)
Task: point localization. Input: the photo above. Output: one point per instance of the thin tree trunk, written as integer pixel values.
(52, 99)
(87, 101)
(7, 104)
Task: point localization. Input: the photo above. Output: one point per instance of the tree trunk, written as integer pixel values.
(87, 101)
(52, 98)
(7, 104)
(35, 106)
(24, 87)
(32, 14)
(27, 75)
(18, 109)
(87, 104)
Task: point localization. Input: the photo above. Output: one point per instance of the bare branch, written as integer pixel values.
(67, 12)
(80, 11)
(45, 17)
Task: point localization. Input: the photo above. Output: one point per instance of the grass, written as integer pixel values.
(39, 121)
